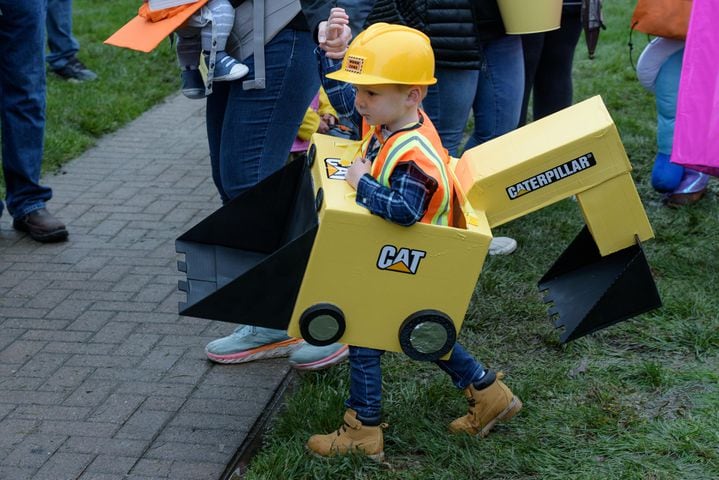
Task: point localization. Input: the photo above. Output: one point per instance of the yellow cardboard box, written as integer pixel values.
(576, 151)
(377, 274)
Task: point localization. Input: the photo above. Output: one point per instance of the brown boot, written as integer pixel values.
(352, 437)
(487, 406)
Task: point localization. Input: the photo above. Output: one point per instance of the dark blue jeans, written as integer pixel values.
(63, 46)
(366, 378)
(250, 132)
(22, 103)
(493, 93)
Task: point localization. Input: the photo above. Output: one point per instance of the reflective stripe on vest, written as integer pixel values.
(422, 146)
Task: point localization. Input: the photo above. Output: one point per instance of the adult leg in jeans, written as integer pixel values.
(497, 101)
(22, 100)
(498, 97)
(63, 46)
(250, 133)
(448, 103)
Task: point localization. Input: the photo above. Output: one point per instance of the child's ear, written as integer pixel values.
(415, 95)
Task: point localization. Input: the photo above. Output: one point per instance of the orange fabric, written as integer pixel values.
(445, 188)
(157, 15)
(663, 18)
(144, 35)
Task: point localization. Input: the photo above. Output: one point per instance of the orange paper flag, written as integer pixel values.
(143, 35)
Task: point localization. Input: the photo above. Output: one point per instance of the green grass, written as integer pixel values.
(638, 400)
(129, 83)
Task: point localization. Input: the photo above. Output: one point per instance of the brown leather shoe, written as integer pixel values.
(675, 200)
(42, 226)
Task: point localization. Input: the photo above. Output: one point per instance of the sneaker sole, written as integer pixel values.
(326, 362)
(230, 77)
(512, 409)
(272, 350)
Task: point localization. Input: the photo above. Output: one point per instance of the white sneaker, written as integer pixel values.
(502, 246)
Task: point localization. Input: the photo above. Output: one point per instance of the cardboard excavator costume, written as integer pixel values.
(277, 255)
(292, 252)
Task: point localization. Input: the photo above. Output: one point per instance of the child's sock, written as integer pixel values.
(488, 377)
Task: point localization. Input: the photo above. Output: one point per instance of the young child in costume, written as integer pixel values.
(658, 70)
(206, 32)
(319, 117)
(401, 176)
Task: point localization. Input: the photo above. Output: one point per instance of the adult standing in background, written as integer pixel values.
(477, 65)
(63, 46)
(548, 59)
(250, 133)
(22, 118)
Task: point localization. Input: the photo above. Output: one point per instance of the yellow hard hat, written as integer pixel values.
(388, 54)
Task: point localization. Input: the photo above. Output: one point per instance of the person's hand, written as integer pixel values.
(334, 35)
(355, 171)
(327, 121)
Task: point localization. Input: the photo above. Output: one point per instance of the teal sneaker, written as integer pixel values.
(248, 343)
(310, 357)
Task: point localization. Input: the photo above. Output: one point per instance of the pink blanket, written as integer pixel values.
(696, 135)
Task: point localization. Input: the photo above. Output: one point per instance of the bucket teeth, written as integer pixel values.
(589, 292)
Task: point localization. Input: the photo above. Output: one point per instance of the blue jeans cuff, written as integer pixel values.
(29, 209)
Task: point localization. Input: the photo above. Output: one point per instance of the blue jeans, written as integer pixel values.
(250, 132)
(366, 378)
(63, 46)
(22, 103)
(493, 93)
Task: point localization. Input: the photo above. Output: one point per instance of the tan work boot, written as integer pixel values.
(487, 406)
(352, 437)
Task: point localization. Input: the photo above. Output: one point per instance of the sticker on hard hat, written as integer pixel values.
(403, 260)
(354, 64)
(548, 177)
(335, 169)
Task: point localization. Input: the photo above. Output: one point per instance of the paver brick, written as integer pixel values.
(117, 408)
(106, 446)
(66, 379)
(116, 464)
(144, 424)
(63, 465)
(100, 378)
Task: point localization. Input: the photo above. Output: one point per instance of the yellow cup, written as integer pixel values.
(530, 16)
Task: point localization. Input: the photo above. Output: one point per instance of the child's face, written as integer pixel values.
(384, 104)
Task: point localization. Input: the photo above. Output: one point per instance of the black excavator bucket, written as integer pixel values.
(590, 292)
(261, 238)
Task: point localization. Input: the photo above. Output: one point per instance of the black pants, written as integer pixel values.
(548, 67)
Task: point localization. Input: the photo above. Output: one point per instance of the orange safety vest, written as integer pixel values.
(422, 146)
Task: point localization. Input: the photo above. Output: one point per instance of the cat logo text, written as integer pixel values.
(403, 260)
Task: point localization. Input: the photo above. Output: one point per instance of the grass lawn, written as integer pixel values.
(129, 82)
(637, 401)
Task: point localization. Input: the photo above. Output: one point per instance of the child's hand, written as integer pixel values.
(327, 121)
(334, 35)
(355, 171)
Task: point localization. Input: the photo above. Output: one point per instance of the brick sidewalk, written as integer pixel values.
(99, 376)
